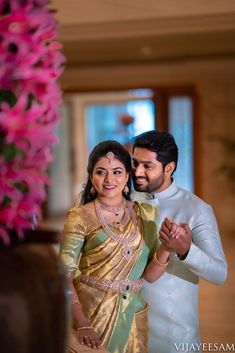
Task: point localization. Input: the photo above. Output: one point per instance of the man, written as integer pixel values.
(173, 299)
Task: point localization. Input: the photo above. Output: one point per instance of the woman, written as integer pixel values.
(116, 241)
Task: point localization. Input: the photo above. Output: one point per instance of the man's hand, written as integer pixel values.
(176, 238)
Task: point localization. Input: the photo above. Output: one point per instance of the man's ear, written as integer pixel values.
(169, 168)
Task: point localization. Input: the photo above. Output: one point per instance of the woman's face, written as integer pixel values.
(109, 177)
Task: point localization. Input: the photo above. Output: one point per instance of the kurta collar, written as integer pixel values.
(168, 192)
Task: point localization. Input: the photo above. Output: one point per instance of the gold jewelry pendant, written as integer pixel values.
(126, 253)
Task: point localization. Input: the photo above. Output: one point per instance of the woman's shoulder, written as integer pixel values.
(145, 204)
(75, 211)
(148, 211)
(83, 216)
(81, 210)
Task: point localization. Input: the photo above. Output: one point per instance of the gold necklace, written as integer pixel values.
(114, 209)
(122, 238)
(120, 223)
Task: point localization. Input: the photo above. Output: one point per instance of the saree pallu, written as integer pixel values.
(120, 319)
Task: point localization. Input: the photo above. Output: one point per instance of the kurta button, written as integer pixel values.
(124, 296)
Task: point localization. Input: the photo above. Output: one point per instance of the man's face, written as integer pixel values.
(148, 174)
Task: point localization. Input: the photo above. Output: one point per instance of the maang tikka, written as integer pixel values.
(110, 155)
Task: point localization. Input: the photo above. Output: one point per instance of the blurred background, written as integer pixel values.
(137, 65)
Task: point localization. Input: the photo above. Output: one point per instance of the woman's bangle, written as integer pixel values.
(69, 274)
(159, 263)
(76, 302)
(83, 328)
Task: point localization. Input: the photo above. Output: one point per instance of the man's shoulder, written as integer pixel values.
(182, 195)
(190, 196)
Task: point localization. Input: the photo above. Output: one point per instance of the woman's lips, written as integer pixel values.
(109, 187)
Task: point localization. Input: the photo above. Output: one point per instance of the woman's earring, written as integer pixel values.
(92, 191)
(126, 190)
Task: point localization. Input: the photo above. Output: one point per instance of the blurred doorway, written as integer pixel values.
(120, 117)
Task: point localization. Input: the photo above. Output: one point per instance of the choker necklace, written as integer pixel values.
(113, 209)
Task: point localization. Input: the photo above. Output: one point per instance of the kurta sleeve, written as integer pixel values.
(73, 240)
(206, 257)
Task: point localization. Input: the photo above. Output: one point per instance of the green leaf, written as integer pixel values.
(22, 187)
(6, 201)
(10, 151)
(7, 96)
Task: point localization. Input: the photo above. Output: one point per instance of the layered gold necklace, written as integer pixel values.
(114, 209)
(121, 217)
(124, 238)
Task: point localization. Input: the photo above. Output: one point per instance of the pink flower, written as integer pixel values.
(4, 235)
(30, 64)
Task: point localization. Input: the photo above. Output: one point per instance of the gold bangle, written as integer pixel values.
(69, 274)
(159, 263)
(83, 328)
(76, 302)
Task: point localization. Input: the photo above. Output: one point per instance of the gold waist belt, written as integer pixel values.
(123, 286)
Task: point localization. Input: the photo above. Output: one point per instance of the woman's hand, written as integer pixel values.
(85, 333)
(87, 336)
(170, 229)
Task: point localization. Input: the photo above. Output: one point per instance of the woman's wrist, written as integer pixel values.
(80, 320)
(82, 324)
(161, 257)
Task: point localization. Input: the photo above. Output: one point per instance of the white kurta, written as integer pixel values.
(173, 298)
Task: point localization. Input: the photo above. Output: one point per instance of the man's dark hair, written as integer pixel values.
(162, 143)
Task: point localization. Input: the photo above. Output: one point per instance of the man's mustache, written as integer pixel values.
(139, 178)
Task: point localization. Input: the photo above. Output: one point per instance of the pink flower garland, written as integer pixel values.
(30, 64)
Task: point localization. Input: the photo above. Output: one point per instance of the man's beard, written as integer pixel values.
(151, 186)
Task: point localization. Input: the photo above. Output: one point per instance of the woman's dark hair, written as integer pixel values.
(98, 152)
(162, 143)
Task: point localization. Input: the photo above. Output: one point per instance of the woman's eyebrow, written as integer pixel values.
(115, 168)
